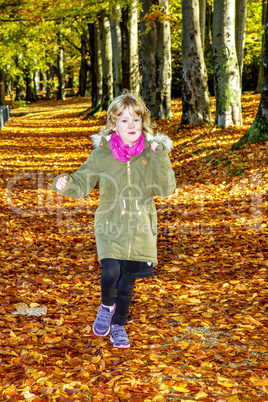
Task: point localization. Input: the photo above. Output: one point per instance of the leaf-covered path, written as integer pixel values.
(198, 328)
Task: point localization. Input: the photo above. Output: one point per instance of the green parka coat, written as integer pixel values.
(125, 220)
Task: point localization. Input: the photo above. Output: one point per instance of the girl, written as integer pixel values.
(130, 165)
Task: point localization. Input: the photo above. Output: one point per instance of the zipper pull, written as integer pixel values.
(128, 169)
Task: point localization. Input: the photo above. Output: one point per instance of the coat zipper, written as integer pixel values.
(130, 206)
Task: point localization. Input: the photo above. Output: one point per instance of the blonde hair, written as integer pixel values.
(122, 102)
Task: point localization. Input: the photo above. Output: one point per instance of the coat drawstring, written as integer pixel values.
(124, 209)
(137, 207)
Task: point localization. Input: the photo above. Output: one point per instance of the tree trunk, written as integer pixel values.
(117, 50)
(30, 90)
(83, 67)
(148, 63)
(130, 55)
(60, 69)
(107, 60)
(264, 8)
(163, 65)
(195, 95)
(37, 80)
(20, 88)
(43, 82)
(258, 131)
(240, 28)
(226, 69)
(49, 81)
(2, 88)
(70, 82)
(209, 22)
(202, 20)
(96, 64)
(125, 50)
(88, 82)
(134, 51)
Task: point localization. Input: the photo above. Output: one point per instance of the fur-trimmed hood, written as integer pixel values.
(158, 137)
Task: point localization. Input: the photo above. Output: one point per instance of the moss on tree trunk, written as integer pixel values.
(258, 132)
(90, 112)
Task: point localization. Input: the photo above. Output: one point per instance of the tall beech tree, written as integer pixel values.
(163, 63)
(130, 51)
(156, 57)
(226, 69)
(259, 83)
(30, 89)
(60, 68)
(96, 64)
(258, 131)
(195, 95)
(117, 49)
(148, 61)
(202, 20)
(240, 31)
(84, 67)
(107, 59)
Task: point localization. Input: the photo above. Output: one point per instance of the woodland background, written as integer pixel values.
(198, 328)
(156, 48)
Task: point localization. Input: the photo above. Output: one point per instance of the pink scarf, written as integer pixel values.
(123, 152)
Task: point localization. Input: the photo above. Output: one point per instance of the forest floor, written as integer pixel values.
(198, 329)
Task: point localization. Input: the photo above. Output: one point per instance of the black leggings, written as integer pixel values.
(116, 287)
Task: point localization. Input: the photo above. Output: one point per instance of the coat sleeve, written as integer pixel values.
(81, 182)
(163, 174)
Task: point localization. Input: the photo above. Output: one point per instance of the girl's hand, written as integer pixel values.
(61, 182)
(154, 145)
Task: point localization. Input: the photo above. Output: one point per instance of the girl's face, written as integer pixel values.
(129, 126)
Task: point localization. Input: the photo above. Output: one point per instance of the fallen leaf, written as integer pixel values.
(201, 394)
(263, 382)
(226, 382)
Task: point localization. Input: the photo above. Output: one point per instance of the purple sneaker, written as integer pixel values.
(119, 337)
(101, 326)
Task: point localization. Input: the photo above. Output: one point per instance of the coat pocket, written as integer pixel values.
(103, 222)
